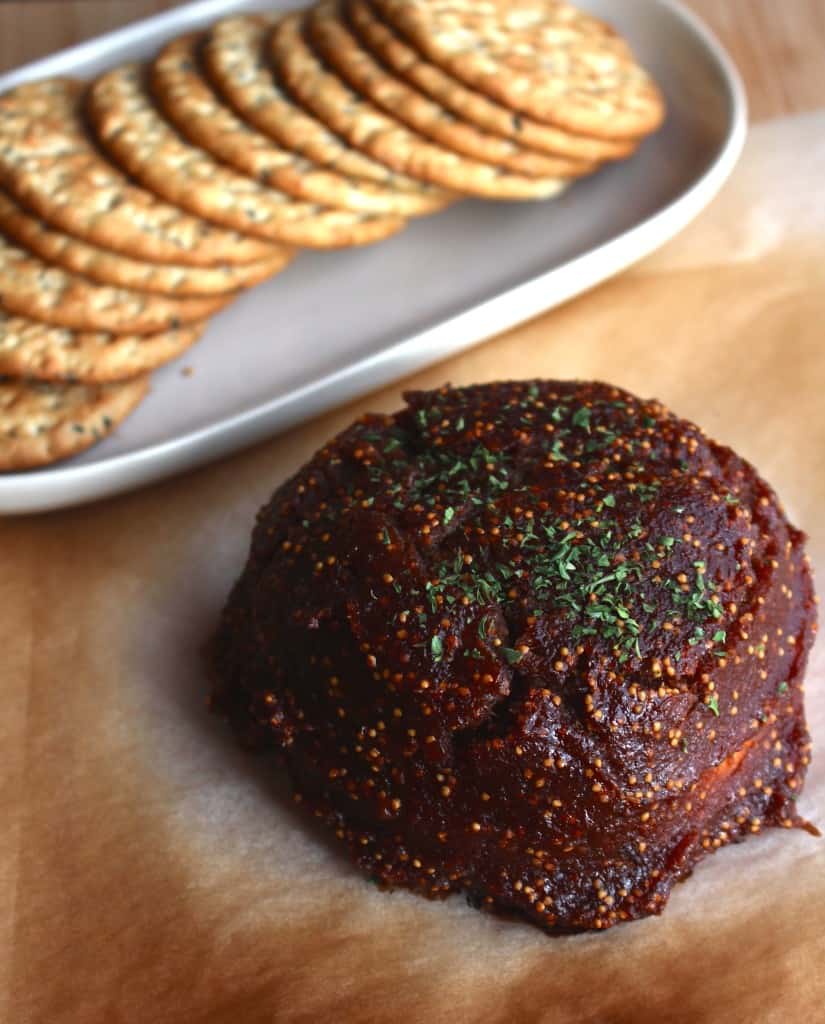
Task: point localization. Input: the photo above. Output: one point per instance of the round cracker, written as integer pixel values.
(135, 134)
(193, 107)
(40, 351)
(106, 267)
(31, 288)
(447, 91)
(233, 58)
(363, 125)
(344, 54)
(541, 57)
(43, 422)
(48, 163)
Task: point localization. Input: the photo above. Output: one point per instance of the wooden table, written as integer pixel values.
(777, 46)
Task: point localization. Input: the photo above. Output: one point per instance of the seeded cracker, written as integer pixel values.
(42, 422)
(31, 288)
(193, 107)
(384, 138)
(48, 164)
(134, 133)
(36, 350)
(235, 62)
(466, 103)
(541, 57)
(345, 55)
(106, 267)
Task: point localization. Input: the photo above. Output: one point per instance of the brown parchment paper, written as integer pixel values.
(152, 873)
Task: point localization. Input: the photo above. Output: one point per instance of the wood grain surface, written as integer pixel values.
(777, 46)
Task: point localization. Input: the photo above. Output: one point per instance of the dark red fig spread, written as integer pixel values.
(539, 642)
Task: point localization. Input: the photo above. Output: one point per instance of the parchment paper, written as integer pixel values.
(152, 873)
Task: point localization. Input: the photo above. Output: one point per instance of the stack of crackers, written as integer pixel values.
(134, 207)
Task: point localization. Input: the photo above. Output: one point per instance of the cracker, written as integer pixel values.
(36, 350)
(363, 125)
(193, 107)
(43, 422)
(106, 267)
(452, 94)
(48, 163)
(135, 134)
(233, 58)
(344, 54)
(541, 57)
(31, 288)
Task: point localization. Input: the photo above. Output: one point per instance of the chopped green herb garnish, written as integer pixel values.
(437, 648)
(556, 452)
(713, 705)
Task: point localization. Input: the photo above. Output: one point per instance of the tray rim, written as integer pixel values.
(63, 486)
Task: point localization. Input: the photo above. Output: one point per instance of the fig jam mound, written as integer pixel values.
(540, 642)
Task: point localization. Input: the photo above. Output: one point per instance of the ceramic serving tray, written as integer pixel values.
(336, 325)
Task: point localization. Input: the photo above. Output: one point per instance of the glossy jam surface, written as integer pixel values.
(540, 642)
